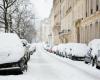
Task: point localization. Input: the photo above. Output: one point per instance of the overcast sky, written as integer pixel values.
(42, 8)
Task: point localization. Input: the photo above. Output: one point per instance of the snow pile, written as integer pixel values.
(95, 45)
(76, 49)
(11, 48)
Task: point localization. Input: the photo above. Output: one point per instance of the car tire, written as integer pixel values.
(93, 62)
(28, 56)
(98, 67)
(23, 65)
(86, 62)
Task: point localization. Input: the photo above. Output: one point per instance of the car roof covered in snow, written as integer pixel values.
(77, 48)
(10, 44)
(94, 43)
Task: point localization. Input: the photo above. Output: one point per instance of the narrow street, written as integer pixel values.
(47, 66)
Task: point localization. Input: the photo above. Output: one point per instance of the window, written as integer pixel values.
(91, 31)
(97, 5)
(91, 11)
(96, 29)
(86, 13)
(91, 6)
(97, 8)
(87, 7)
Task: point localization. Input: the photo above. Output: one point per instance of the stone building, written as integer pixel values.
(79, 20)
(57, 21)
(90, 24)
(51, 35)
(45, 30)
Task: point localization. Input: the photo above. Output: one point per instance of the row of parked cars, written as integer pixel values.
(78, 51)
(14, 52)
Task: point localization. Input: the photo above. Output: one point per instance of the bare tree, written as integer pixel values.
(23, 18)
(16, 16)
(5, 5)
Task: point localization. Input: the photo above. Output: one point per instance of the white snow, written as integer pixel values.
(95, 45)
(77, 49)
(32, 47)
(61, 47)
(11, 49)
(55, 48)
(47, 66)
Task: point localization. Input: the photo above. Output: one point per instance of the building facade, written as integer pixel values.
(90, 25)
(45, 30)
(79, 20)
(57, 20)
(51, 35)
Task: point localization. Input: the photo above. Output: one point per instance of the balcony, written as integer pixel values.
(63, 32)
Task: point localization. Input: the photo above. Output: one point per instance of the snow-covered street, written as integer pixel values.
(48, 66)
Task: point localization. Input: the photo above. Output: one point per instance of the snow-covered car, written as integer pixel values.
(26, 45)
(12, 52)
(54, 49)
(93, 56)
(61, 50)
(32, 48)
(76, 51)
(88, 57)
(98, 59)
(47, 47)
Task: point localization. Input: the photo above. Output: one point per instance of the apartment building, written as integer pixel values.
(57, 20)
(45, 30)
(79, 20)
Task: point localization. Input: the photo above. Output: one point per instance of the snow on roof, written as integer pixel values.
(11, 48)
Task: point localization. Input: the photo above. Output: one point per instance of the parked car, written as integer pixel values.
(26, 45)
(61, 50)
(54, 49)
(98, 59)
(88, 56)
(47, 47)
(12, 52)
(32, 48)
(76, 51)
(93, 56)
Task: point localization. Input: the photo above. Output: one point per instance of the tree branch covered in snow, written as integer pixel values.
(16, 16)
